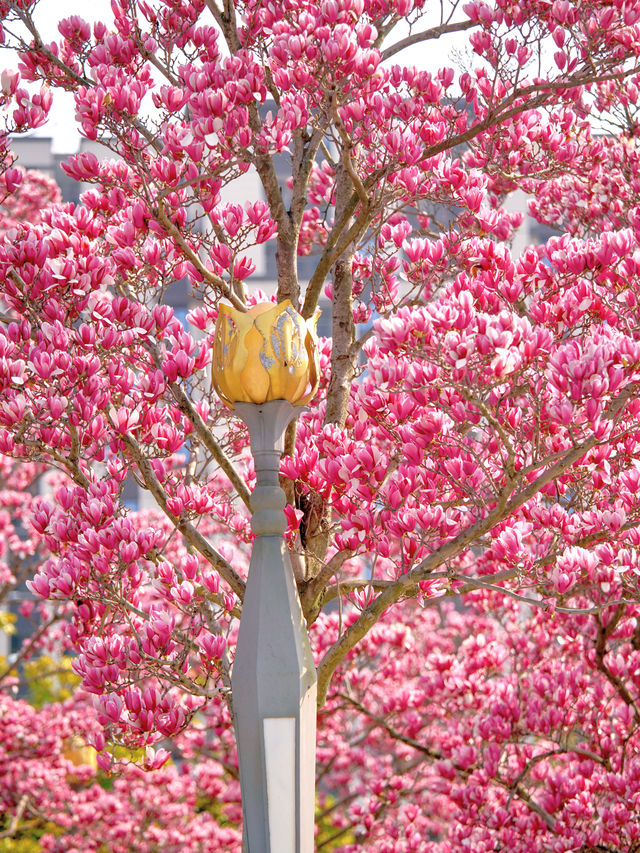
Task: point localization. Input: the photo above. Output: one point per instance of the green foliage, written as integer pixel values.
(330, 836)
(125, 753)
(26, 835)
(19, 845)
(216, 809)
(50, 680)
(8, 626)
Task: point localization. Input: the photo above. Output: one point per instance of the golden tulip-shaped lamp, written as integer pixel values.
(266, 353)
(265, 368)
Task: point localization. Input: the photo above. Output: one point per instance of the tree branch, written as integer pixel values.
(208, 439)
(194, 258)
(432, 754)
(190, 533)
(426, 35)
(370, 615)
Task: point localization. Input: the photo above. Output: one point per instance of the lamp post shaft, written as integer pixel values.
(274, 678)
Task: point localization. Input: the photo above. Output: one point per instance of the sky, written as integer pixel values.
(61, 126)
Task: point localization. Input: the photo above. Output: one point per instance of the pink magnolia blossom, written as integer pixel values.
(463, 492)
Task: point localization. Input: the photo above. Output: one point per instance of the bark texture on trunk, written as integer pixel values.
(315, 525)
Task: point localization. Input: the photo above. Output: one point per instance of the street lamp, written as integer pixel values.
(265, 367)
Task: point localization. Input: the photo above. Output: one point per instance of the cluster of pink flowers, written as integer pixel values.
(465, 484)
(531, 761)
(48, 775)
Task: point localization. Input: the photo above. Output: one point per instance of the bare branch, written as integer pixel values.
(208, 439)
(194, 258)
(15, 819)
(426, 35)
(190, 533)
(447, 551)
(434, 755)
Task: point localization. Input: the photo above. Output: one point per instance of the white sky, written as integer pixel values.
(61, 125)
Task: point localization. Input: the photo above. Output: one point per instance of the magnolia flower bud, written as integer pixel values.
(266, 353)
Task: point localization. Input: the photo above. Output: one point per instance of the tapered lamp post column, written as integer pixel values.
(265, 368)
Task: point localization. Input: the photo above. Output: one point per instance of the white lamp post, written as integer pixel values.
(265, 367)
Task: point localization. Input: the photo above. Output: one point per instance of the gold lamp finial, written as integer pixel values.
(266, 353)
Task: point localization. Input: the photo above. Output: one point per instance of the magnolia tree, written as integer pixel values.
(463, 510)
